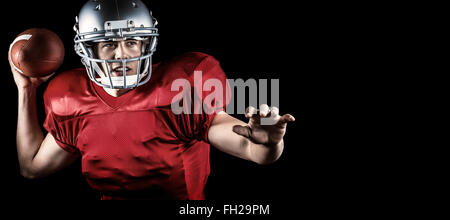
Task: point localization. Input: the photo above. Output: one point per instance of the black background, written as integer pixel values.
(258, 39)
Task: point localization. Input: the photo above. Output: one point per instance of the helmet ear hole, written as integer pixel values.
(92, 51)
(145, 44)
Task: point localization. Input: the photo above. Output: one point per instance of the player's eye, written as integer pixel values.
(131, 43)
(108, 45)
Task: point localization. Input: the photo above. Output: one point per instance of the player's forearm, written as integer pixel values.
(29, 134)
(263, 154)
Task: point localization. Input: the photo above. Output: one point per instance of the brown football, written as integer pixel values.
(37, 52)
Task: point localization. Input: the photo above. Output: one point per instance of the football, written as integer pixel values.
(37, 52)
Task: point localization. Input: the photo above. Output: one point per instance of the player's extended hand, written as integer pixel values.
(258, 133)
(23, 81)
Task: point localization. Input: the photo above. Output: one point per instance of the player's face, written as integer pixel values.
(117, 50)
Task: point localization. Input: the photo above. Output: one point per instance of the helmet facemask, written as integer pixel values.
(116, 30)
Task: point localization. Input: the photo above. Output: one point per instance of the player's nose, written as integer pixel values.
(120, 52)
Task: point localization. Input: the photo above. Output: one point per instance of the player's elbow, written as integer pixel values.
(267, 160)
(29, 173)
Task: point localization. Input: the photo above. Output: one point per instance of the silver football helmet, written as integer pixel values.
(112, 20)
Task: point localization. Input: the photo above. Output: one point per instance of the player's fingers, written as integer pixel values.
(14, 69)
(11, 63)
(242, 130)
(273, 112)
(250, 111)
(263, 110)
(45, 78)
(285, 119)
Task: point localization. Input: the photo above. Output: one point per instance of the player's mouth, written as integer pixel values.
(118, 71)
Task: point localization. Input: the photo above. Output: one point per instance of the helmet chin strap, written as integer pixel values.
(118, 80)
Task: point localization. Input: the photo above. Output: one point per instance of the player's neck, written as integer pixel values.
(116, 92)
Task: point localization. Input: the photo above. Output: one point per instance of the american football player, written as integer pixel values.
(115, 113)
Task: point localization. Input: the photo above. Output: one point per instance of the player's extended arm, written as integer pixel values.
(252, 141)
(38, 156)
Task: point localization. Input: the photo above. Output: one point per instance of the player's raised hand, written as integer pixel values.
(34, 55)
(23, 81)
(270, 133)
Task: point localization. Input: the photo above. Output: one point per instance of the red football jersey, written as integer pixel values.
(134, 146)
